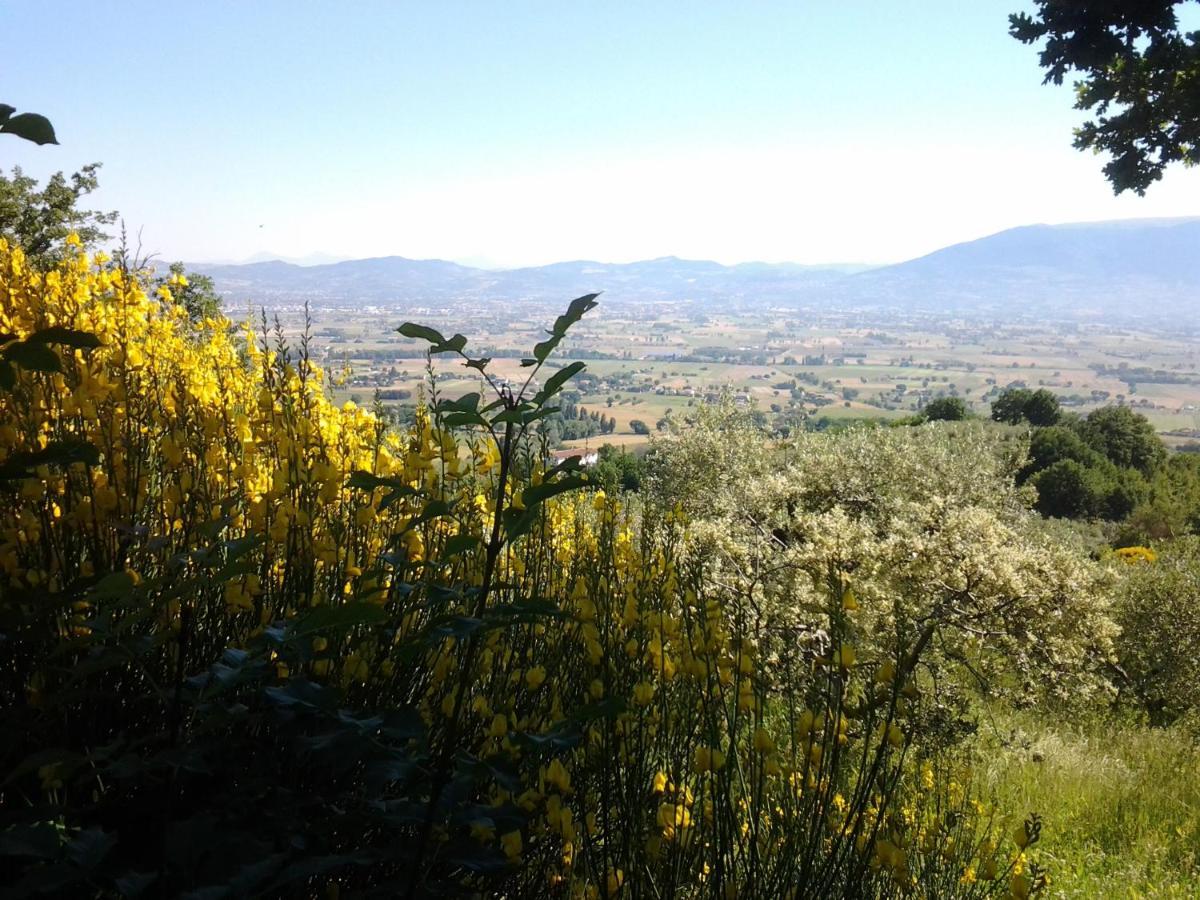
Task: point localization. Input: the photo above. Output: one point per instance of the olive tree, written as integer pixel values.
(928, 525)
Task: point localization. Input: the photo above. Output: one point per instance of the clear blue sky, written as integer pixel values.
(521, 133)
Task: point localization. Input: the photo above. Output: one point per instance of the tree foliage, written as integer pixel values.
(1125, 437)
(1171, 508)
(1108, 466)
(1017, 405)
(930, 518)
(1140, 78)
(196, 293)
(39, 219)
(617, 469)
(1042, 408)
(945, 409)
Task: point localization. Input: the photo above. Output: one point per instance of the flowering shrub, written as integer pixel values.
(942, 545)
(258, 644)
(1159, 615)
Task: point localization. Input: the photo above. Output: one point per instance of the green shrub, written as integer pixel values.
(1158, 609)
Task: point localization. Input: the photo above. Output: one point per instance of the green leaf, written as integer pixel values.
(461, 543)
(574, 313)
(365, 481)
(90, 847)
(512, 415)
(56, 453)
(527, 611)
(454, 345)
(479, 364)
(545, 348)
(435, 509)
(555, 382)
(116, 584)
(570, 464)
(459, 627)
(458, 420)
(33, 355)
(135, 883)
(337, 618)
(533, 415)
(5, 112)
(518, 521)
(69, 337)
(465, 403)
(538, 493)
(31, 127)
(421, 333)
(393, 497)
(39, 840)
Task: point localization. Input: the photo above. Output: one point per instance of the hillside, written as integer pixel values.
(1086, 270)
(1076, 270)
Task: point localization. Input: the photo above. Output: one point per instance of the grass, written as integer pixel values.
(1120, 802)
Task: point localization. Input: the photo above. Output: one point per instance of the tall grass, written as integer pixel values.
(1120, 802)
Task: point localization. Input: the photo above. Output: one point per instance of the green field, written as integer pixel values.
(799, 367)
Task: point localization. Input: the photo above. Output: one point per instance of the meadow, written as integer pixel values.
(1121, 802)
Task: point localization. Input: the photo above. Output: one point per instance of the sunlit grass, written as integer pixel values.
(1121, 803)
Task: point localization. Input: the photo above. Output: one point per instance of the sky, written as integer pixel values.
(522, 133)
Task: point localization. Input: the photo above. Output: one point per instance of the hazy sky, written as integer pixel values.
(521, 133)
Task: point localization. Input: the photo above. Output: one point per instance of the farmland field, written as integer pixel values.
(795, 366)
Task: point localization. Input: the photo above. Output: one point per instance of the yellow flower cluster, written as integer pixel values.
(193, 428)
(1134, 555)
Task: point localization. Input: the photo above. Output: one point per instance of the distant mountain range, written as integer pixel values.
(1133, 268)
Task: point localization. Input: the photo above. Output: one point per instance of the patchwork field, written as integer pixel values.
(799, 368)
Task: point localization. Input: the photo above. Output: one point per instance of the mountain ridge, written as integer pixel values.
(1076, 269)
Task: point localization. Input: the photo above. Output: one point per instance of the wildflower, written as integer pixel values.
(557, 775)
(614, 881)
(762, 741)
(535, 677)
(845, 656)
(886, 672)
(511, 844)
(643, 693)
(709, 759)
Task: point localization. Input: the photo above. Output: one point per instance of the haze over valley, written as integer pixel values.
(1074, 272)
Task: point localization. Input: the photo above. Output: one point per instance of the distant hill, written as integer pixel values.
(1123, 269)
(1139, 266)
(395, 280)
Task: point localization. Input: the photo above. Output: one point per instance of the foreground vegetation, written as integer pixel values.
(258, 643)
(1122, 802)
(262, 644)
